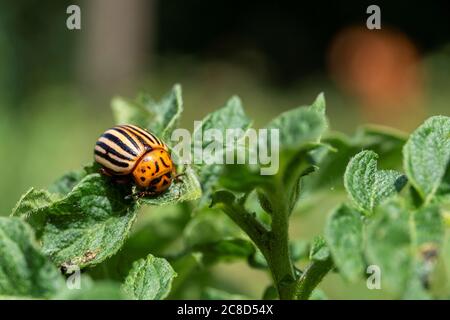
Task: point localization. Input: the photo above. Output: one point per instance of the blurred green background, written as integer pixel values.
(56, 84)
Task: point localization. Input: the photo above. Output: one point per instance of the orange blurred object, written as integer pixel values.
(382, 69)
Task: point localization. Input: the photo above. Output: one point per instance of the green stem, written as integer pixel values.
(278, 256)
(274, 243)
(312, 276)
(257, 232)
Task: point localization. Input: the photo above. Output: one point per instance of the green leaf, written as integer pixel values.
(319, 104)
(405, 244)
(366, 185)
(32, 202)
(24, 270)
(67, 182)
(216, 237)
(319, 250)
(332, 158)
(389, 246)
(187, 189)
(93, 220)
(209, 176)
(344, 235)
(444, 189)
(86, 226)
(149, 279)
(32, 206)
(428, 235)
(160, 117)
(429, 227)
(426, 156)
(300, 126)
(166, 112)
(166, 224)
(231, 116)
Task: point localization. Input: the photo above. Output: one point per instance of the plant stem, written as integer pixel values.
(277, 255)
(312, 277)
(257, 232)
(273, 243)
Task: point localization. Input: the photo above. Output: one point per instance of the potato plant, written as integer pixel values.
(395, 218)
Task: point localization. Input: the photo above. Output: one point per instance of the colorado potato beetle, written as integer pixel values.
(127, 152)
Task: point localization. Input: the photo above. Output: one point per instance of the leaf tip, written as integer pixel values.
(319, 103)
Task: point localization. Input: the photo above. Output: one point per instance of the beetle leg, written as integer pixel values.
(116, 179)
(122, 180)
(178, 178)
(142, 194)
(129, 197)
(135, 196)
(105, 172)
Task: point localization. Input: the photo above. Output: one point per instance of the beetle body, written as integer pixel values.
(128, 150)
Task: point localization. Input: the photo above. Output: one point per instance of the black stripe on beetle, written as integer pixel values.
(142, 132)
(126, 135)
(155, 181)
(119, 143)
(111, 160)
(138, 136)
(165, 164)
(112, 151)
(158, 141)
(154, 138)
